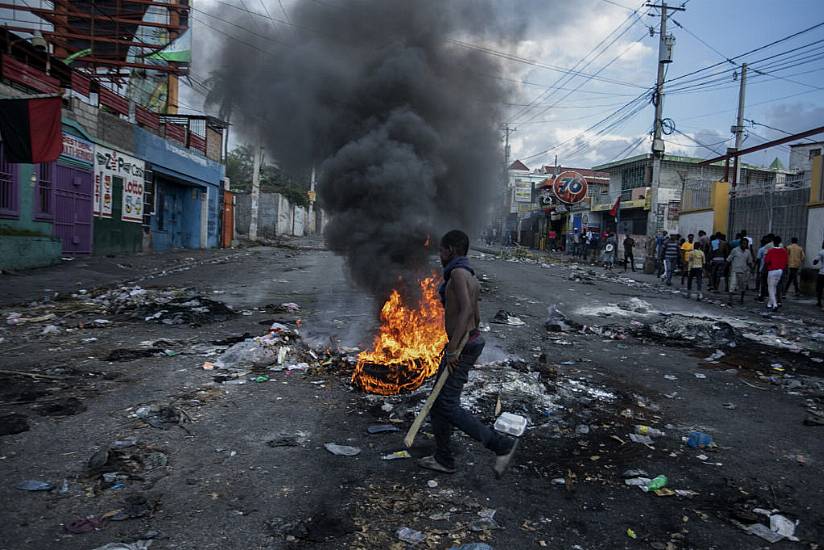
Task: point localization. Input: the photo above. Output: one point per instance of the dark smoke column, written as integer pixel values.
(401, 121)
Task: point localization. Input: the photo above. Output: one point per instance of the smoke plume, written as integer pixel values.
(400, 120)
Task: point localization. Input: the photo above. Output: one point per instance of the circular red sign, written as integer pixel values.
(570, 187)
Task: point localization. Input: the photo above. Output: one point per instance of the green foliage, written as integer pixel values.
(239, 169)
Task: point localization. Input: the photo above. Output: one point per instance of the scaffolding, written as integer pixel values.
(123, 43)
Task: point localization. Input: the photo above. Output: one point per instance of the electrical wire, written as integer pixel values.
(739, 56)
(560, 80)
(604, 67)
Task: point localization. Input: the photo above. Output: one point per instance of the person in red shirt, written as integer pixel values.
(552, 238)
(775, 264)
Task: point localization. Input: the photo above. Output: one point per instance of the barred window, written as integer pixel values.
(45, 190)
(8, 187)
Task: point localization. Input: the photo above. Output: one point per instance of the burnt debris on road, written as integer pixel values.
(167, 408)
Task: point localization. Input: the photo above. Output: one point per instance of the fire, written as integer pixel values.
(407, 349)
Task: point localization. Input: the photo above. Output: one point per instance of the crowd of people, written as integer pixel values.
(771, 269)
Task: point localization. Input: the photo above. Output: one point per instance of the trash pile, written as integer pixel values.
(503, 317)
(167, 306)
(281, 349)
(433, 517)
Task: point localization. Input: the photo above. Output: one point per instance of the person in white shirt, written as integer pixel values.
(819, 283)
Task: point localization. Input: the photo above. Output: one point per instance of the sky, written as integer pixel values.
(610, 38)
(560, 34)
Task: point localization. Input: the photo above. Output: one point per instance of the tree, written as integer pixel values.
(239, 164)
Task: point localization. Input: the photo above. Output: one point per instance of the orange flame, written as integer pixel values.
(407, 349)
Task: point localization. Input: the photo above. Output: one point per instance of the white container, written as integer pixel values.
(511, 424)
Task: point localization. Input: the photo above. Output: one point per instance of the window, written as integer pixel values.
(815, 153)
(148, 197)
(8, 187)
(43, 200)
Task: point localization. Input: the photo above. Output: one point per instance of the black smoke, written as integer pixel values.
(402, 122)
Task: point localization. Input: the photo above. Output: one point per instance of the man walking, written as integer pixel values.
(695, 265)
(761, 282)
(686, 248)
(795, 259)
(670, 256)
(660, 243)
(629, 257)
(775, 264)
(460, 293)
(610, 251)
(741, 265)
(718, 261)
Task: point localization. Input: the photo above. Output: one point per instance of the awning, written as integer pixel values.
(181, 178)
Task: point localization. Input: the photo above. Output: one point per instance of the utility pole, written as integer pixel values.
(253, 223)
(738, 130)
(507, 191)
(665, 44)
(312, 225)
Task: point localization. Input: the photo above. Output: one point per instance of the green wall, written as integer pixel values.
(27, 252)
(24, 242)
(113, 236)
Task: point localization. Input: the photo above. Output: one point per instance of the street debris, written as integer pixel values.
(511, 424)
(382, 428)
(341, 450)
(137, 545)
(35, 485)
(503, 317)
(289, 440)
(699, 440)
(410, 536)
(397, 455)
(557, 321)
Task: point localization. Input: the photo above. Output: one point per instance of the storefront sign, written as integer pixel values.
(77, 148)
(523, 191)
(570, 187)
(112, 168)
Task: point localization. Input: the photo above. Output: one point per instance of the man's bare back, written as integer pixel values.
(463, 313)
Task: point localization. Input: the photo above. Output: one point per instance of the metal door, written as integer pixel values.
(73, 209)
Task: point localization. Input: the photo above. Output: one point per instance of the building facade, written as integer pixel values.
(128, 180)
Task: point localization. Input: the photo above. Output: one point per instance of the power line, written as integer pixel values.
(643, 98)
(579, 62)
(629, 149)
(610, 62)
(760, 48)
(531, 62)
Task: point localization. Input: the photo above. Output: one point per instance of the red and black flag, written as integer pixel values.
(615, 207)
(31, 129)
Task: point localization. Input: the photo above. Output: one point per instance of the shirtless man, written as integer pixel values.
(460, 293)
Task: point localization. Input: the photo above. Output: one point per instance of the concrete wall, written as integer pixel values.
(692, 222)
(276, 216)
(28, 252)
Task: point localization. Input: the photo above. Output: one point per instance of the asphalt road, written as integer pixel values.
(223, 485)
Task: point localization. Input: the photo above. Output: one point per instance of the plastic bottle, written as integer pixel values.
(646, 430)
(658, 482)
(410, 535)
